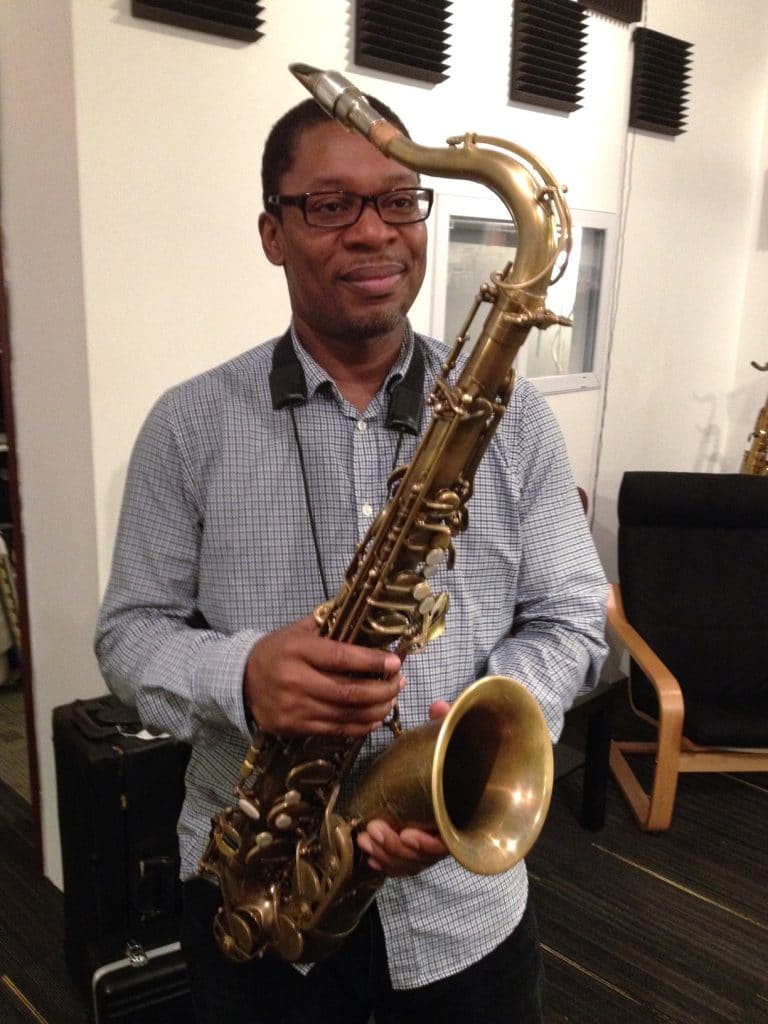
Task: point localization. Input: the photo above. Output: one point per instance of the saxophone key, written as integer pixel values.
(250, 808)
(288, 814)
(306, 881)
(228, 839)
(289, 941)
(249, 764)
(247, 929)
(310, 774)
(436, 556)
(402, 604)
(403, 583)
(433, 622)
(273, 852)
(445, 501)
(392, 624)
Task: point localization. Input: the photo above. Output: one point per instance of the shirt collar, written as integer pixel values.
(317, 379)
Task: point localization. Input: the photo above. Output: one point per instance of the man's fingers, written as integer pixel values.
(399, 853)
(350, 659)
(425, 843)
(439, 709)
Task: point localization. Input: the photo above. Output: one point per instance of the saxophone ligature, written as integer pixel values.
(292, 880)
(755, 459)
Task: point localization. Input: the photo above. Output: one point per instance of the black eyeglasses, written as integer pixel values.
(342, 209)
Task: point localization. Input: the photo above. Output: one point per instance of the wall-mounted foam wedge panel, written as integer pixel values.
(660, 81)
(548, 43)
(404, 37)
(619, 10)
(235, 19)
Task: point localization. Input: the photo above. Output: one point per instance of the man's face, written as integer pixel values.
(345, 284)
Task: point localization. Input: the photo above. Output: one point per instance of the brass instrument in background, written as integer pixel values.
(755, 459)
(292, 879)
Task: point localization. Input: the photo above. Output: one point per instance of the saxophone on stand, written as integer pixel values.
(755, 459)
(293, 882)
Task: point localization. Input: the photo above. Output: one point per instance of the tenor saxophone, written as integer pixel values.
(755, 460)
(292, 880)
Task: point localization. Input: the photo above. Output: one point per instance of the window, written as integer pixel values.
(474, 236)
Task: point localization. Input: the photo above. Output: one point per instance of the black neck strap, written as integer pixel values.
(288, 387)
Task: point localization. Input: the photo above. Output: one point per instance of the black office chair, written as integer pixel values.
(692, 611)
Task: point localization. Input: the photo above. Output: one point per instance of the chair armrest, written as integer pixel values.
(667, 688)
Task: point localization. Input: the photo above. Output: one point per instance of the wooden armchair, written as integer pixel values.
(692, 612)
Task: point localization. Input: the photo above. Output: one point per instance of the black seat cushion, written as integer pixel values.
(714, 722)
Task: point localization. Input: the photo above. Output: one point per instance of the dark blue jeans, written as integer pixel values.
(505, 987)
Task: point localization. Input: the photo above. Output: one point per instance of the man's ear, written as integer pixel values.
(271, 238)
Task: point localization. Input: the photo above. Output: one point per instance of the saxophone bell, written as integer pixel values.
(481, 776)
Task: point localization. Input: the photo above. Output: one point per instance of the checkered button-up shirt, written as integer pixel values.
(215, 520)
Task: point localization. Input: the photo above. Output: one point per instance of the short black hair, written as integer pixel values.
(280, 147)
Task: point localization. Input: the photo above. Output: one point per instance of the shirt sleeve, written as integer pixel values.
(149, 644)
(556, 644)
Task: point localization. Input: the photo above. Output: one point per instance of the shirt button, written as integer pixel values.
(367, 509)
(361, 425)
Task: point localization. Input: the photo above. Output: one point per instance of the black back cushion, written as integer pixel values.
(693, 567)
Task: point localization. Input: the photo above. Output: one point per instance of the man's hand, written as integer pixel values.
(297, 682)
(411, 850)
(400, 853)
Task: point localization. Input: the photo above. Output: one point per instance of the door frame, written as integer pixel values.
(6, 390)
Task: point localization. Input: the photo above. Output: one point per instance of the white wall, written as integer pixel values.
(688, 246)
(130, 202)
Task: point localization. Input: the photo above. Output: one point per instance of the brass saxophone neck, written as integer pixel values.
(527, 188)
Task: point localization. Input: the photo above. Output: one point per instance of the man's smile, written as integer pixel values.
(374, 279)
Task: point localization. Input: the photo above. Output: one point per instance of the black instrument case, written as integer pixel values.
(120, 791)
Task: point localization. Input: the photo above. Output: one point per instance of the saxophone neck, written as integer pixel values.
(528, 190)
(533, 200)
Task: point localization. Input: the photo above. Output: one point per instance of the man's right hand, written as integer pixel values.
(298, 682)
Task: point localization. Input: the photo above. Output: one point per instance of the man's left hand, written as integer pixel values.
(407, 852)
(400, 853)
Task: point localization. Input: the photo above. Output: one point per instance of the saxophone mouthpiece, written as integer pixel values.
(306, 74)
(338, 97)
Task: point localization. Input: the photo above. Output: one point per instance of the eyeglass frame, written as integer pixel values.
(301, 200)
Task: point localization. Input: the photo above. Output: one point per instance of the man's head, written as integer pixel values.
(280, 147)
(352, 283)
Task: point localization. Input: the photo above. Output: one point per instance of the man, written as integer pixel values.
(248, 490)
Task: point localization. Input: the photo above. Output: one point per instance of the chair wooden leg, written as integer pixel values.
(667, 771)
(653, 811)
(629, 785)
